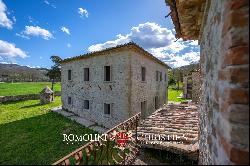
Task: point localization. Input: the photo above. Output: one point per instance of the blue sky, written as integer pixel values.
(33, 30)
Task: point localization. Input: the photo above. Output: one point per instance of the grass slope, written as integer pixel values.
(31, 134)
(10, 89)
(173, 94)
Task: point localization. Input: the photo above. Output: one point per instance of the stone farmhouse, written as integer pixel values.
(111, 85)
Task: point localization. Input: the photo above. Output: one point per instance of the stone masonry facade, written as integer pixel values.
(149, 89)
(196, 86)
(192, 86)
(224, 113)
(126, 92)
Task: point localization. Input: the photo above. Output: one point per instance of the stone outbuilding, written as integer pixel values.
(46, 95)
(192, 86)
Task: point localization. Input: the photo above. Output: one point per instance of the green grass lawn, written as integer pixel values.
(20, 88)
(31, 134)
(173, 94)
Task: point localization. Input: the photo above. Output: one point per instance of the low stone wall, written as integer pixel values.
(4, 99)
(19, 97)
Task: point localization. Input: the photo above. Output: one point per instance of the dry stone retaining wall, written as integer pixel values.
(4, 99)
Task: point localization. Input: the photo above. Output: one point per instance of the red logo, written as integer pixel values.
(121, 138)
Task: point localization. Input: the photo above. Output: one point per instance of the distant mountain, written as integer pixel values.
(188, 68)
(180, 72)
(18, 73)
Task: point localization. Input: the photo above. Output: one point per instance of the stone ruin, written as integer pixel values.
(192, 86)
(46, 95)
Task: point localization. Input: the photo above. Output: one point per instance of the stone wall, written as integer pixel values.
(192, 86)
(98, 91)
(4, 99)
(224, 113)
(196, 86)
(118, 92)
(187, 87)
(149, 89)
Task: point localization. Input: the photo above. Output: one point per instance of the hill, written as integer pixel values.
(177, 74)
(18, 73)
(185, 70)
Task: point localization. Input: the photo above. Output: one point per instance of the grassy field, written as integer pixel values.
(32, 134)
(173, 94)
(20, 88)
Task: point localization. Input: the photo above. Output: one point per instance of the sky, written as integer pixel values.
(33, 30)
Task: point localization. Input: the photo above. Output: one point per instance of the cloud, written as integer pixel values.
(151, 35)
(83, 12)
(46, 2)
(35, 31)
(175, 58)
(148, 35)
(66, 30)
(32, 20)
(14, 19)
(68, 45)
(9, 50)
(32, 66)
(49, 4)
(183, 59)
(158, 41)
(4, 20)
(22, 36)
(121, 40)
(194, 43)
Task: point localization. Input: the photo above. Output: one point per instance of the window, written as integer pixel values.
(107, 109)
(107, 73)
(69, 101)
(160, 76)
(144, 106)
(156, 75)
(143, 73)
(156, 102)
(86, 74)
(69, 74)
(86, 104)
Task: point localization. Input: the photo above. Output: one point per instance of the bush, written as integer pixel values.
(171, 81)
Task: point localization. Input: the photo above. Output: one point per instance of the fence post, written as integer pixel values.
(136, 124)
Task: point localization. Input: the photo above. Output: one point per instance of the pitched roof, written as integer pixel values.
(130, 46)
(175, 119)
(187, 17)
(46, 90)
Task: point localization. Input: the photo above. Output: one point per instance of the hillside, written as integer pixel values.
(185, 70)
(18, 73)
(177, 74)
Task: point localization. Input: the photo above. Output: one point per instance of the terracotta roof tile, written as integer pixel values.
(177, 119)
